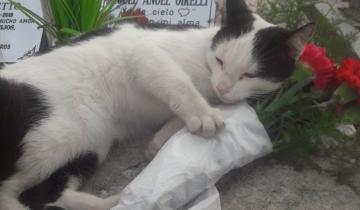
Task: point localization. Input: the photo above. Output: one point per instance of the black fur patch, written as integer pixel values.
(51, 189)
(272, 53)
(53, 208)
(22, 107)
(239, 20)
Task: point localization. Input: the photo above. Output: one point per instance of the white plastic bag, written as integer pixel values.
(187, 164)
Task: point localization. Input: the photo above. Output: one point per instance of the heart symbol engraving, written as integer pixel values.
(184, 12)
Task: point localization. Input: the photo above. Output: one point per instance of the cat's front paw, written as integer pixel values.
(206, 122)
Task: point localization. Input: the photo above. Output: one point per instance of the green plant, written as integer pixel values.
(329, 35)
(290, 13)
(72, 17)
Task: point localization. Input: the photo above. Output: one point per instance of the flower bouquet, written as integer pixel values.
(321, 99)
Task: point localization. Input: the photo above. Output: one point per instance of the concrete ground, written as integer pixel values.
(263, 184)
(268, 185)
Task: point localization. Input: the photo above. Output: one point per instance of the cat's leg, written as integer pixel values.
(59, 191)
(160, 137)
(9, 192)
(74, 200)
(163, 78)
(67, 176)
(11, 203)
(24, 190)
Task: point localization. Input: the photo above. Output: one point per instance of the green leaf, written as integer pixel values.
(315, 93)
(105, 13)
(345, 94)
(301, 72)
(68, 13)
(59, 16)
(89, 14)
(41, 22)
(287, 96)
(70, 31)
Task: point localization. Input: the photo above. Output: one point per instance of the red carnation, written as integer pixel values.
(349, 71)
(323, 68)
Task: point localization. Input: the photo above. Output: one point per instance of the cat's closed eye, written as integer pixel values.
(247, 75)
(219, 61)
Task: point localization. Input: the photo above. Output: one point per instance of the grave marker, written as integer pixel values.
(19, 36)
(199, 13)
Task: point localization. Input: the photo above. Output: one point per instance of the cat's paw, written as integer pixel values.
(206, 123)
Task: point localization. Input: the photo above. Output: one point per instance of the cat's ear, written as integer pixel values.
(298, 39)
(237, 12)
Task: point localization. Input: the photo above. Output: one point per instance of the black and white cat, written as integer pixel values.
(61, 112)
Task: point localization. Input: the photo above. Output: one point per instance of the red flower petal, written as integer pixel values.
(323, 68)
(349, 71)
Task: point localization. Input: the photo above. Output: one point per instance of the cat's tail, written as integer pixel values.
(21, 108)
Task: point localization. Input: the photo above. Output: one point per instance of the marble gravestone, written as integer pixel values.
(19, 36)
(200, 13)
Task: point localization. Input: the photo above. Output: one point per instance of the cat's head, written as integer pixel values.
(251, 57)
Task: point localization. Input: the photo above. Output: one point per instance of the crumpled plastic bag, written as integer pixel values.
(188, 165)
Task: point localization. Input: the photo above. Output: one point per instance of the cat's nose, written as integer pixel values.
(221, 89)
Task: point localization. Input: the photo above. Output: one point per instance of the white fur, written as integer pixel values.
(117, 85)
(71, 199)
